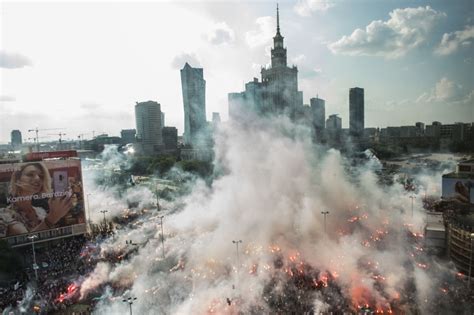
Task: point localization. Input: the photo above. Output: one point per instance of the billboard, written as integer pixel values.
(457, 189)
(41, 196)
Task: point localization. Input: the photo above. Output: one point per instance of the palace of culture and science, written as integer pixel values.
(276, 94)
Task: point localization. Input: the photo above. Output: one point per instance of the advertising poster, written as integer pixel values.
(457, 189)
(40, 195)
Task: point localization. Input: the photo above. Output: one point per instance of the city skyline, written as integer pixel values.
(104, 69)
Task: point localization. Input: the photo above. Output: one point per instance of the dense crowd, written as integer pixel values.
(60, 264)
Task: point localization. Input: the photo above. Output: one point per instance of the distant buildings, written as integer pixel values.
(356, 112)
(170, 138)
(318, 113)
(128, 135)
(194, 99)
(148, 121)
(16, 139)
(334, 128)
(276, 94)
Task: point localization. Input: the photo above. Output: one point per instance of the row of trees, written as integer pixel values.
(162, 164)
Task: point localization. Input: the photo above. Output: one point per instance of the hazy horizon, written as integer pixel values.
(82, 67)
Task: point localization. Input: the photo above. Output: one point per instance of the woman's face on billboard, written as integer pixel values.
(31, 180)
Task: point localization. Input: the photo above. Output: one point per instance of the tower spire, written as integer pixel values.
(278, 20)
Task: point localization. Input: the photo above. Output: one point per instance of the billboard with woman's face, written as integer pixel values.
(40, 196)
(457, 189)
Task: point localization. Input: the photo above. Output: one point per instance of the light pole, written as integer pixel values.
(470, 262)
(130, 302)
(325, 213)
(162, 236)
(412, 198)
(89, 209)
(35, 266)
(237, 249)
(158, 208)
(103, 212)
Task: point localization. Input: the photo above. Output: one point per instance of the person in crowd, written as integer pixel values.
(30, 183)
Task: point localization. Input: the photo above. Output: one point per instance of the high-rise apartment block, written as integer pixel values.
(194, 99)
(16, 139)
(170, 138)
(318, 117)
(356, 112)
(148, 121)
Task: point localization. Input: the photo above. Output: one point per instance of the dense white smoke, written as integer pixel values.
(272, 186)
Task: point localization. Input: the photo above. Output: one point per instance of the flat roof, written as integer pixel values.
(459, 175)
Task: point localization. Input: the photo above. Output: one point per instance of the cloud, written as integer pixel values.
(307, 7)
(445, 90)
(451, 42)
(406, 29)
(221, 33)
(7, 98)
(179, 61)
(13, 60)
(266, 29)
(90, 106)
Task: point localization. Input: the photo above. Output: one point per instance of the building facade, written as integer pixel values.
(193, 87)
(128, 135)
(356, 112)
(276, 94)
(148, 121)
(16, 139)
(170, 138)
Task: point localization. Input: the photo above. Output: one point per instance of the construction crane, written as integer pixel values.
(37, 130)
(81, 137)
(58, 134)
(35, 140)
(59, 147)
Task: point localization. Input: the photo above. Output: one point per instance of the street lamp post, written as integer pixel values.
(470, 263)
(130, 302)
(412, 198)
(103, 212)
(35, 266)
(162, 236)
(89, 209)
(237, 249)
(158, 208)
(325, 213)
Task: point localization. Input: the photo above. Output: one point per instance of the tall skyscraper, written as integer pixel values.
(16, 139)
(318, 111)
(194, 99)
(356, 112)
(148, 120)
(277, 93)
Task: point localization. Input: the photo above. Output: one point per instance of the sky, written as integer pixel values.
(80, 67)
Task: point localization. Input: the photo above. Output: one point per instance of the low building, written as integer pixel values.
(461, 242)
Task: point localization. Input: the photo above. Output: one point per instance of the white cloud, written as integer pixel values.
(307, 7)
(298, 59)
(7, 98)
(179, 61)
(406, 29)
(266, 29)
(13, 60)
(451, 42)
(221, 33)
(444, 90)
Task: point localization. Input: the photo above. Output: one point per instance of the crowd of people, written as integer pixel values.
(59, 265)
